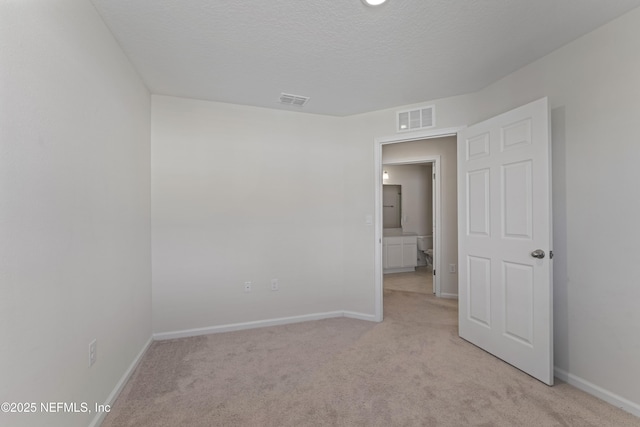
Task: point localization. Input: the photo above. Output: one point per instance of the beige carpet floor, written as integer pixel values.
(420, 281)
(410, 370)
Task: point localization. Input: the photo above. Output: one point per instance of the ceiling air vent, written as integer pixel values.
(297, 100)
(419, 118)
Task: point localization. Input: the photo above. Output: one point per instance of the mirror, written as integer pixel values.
(391, 206)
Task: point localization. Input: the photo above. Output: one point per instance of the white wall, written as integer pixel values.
(245, 194)
(74, 209)
(416, 182)
(446, 149)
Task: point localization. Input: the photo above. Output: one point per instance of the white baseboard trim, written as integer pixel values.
(448, 296)
(258, 324)
(99, 417)
(361, 316)
(597, 391)
(399, 270)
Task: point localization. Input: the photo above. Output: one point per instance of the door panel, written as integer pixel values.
(516, 200)
(478, 203)
(504, 200)
(518, 301)
(479, 290)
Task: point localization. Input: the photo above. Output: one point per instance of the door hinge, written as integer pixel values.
(551, 254)
(434, 272)
(434, 176)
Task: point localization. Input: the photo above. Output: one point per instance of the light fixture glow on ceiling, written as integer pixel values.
(373, 2)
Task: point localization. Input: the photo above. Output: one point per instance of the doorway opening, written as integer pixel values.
(403, 155)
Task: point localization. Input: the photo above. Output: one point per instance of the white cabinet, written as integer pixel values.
(409, 252)
(393, 252)
(399, 253)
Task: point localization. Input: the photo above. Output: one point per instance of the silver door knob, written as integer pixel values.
(538, 253)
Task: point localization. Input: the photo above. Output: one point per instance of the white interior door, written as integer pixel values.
(504, 202)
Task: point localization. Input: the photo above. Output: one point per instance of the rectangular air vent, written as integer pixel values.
(418, 118)
(297, 100)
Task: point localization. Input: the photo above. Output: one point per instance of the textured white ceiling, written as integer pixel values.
(349, 58)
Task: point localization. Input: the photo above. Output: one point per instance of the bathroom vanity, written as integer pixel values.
(399, 251)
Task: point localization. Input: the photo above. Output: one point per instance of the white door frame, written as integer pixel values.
(395, 139)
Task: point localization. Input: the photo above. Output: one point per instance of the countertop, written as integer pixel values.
(396, 232)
